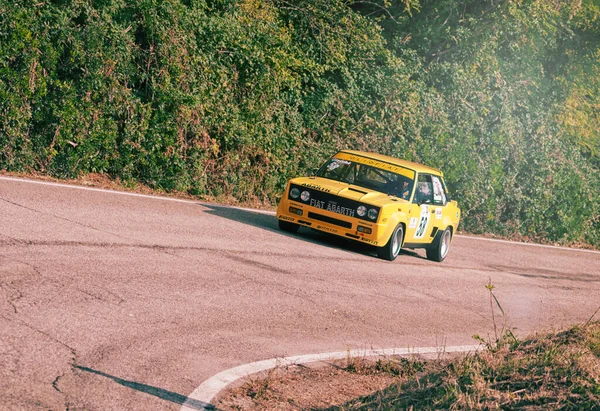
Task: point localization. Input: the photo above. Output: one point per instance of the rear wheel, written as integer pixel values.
(440, 246)
(287, 226)
(391, 250)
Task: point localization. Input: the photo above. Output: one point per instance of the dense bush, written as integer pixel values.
(519, 89)
(233, 97)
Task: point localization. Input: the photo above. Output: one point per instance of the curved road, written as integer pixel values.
(117, 301)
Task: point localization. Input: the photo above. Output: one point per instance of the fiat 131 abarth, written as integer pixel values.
(375, 199)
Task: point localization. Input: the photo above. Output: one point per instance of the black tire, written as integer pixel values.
(440, 246)
(391, 250)
(287, 226)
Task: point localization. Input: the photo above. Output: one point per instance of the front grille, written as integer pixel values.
(331, 202)
(329, 220)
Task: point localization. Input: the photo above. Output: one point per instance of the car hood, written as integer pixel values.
(350, 191)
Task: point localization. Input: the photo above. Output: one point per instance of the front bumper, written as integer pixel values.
(326, 221)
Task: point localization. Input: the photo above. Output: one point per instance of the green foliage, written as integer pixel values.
(519, 145)
(233, 97)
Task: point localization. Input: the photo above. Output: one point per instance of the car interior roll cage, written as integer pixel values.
(367, 176)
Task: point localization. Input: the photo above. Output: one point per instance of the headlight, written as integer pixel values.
(294, 193)
(373, 214)
(362, 211)
(305, 196)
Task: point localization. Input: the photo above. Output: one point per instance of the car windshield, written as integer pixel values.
(363, 175)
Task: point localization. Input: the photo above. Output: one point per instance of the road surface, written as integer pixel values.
(116, 301)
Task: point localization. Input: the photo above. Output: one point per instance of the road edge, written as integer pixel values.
(257, 211)
(211, 387)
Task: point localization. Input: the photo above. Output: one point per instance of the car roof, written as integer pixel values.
(419, 168)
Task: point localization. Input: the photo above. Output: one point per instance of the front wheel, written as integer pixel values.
(391, 250)
(440, 246)
(287, 226)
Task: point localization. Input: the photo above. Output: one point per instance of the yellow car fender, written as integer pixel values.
(399, 217)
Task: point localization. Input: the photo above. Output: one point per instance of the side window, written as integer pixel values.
(439, 194)
(424, 193)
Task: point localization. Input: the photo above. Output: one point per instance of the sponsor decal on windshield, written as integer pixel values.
(377, 164)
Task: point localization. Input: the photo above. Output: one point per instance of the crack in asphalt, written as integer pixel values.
(546, 274)
(11, 300)
(47, 335)
(55, 383)
(119, 300)
(73, 360)
(60, 218)
(278, 270)
(253, 263)
(11, 239)
(282, 289)
(166, 249)
(74, 243)
(270, 268)
(116, 300)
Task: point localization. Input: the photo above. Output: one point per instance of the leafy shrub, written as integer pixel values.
(233, 97)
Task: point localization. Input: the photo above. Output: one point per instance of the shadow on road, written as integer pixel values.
(252, 218)
(155, 391)
(269, 222)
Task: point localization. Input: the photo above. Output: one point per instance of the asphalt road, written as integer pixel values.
(111, 301)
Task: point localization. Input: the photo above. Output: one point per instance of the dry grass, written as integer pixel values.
(545, 371)
(317, 385)
(104, 181)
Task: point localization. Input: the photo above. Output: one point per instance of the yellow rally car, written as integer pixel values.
(374, 199)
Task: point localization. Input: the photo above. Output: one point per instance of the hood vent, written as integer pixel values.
(358, 191)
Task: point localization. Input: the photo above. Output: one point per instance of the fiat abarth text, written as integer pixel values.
(375, 199)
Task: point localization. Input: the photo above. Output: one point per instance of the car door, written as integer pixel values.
(440, 201)
(420, 218)
(426, 209)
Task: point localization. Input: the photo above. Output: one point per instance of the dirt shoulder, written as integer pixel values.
(559, 370)
(317, 385)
